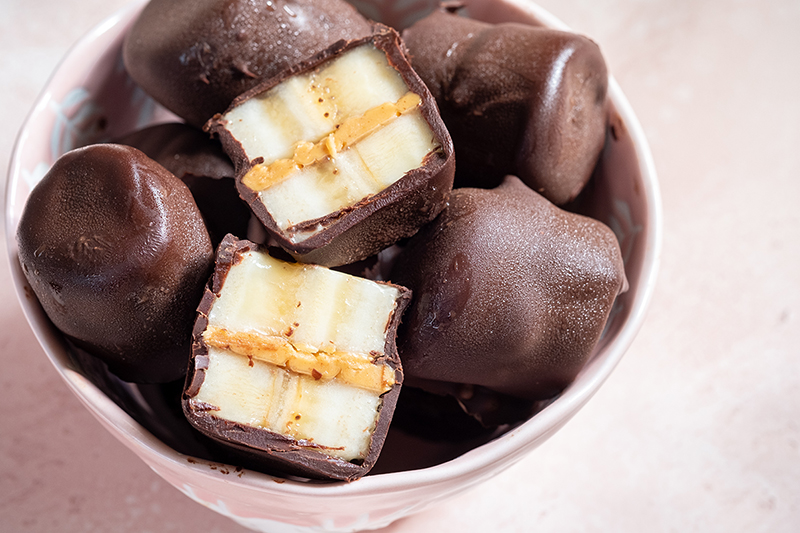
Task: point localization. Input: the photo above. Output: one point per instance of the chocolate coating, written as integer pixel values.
(262, 449)
(435, 417)
(517, 99)
(195, 56)
(376, 222)
(202, 165)
(510, 292)
(116, 251)
(183, 150)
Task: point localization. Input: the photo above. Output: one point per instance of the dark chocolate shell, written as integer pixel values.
(116, 250)
(510, 292)
(517, 99)
(201, 164)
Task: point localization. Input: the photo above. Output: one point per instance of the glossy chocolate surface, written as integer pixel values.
(517, 99)
(117, 253)
(182, 149)
(199, 161)
(510, 292)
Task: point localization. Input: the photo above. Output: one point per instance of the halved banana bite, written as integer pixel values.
(295, 362)
(342, 156)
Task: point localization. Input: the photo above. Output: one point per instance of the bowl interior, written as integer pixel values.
(90, 98)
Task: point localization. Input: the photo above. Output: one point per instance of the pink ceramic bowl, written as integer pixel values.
(91, 98)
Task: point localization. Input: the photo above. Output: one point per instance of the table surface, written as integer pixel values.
(696, 430)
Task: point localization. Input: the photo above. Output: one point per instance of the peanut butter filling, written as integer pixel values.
(347, 133)
(352, 368)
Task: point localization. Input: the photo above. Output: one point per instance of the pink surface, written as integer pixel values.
(695, 430)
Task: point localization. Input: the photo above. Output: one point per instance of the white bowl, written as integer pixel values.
(90, 98)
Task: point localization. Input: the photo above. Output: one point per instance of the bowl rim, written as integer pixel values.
(505, 449)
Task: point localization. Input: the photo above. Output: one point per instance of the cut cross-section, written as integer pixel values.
(322, 148)
(295, 361)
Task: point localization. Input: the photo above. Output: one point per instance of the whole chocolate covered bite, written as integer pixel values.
(194, 57)
(199, 161)
(517, 99)
(510, 292)
(116, 251)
